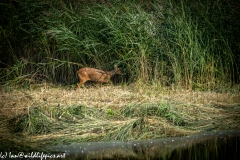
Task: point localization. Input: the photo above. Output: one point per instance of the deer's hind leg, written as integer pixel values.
(80, 84)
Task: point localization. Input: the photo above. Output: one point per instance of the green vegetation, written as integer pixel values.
(193, 45)
(49, 115)
(179, 59)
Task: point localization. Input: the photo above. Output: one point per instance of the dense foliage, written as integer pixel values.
(192, 44)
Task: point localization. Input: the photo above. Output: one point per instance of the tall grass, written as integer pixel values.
(185, 44)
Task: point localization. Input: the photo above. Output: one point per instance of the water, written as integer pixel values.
(207, 146)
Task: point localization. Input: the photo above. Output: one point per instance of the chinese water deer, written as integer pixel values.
(93, 74)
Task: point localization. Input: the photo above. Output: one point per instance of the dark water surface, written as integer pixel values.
(223, 145)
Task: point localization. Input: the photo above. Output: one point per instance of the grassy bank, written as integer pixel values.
(48, 115)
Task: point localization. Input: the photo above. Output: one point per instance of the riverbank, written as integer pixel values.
(54, 115)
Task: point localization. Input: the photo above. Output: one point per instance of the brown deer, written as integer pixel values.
(93, 74)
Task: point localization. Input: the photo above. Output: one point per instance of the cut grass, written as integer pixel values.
(48, 115)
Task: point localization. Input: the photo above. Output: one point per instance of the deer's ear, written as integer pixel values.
(115, 66)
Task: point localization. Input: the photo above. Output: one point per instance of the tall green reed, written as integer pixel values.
(178, 43)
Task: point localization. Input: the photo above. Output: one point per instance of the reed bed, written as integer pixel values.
(179, 59)
(191, 45)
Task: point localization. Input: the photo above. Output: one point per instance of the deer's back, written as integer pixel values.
(93, 74)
